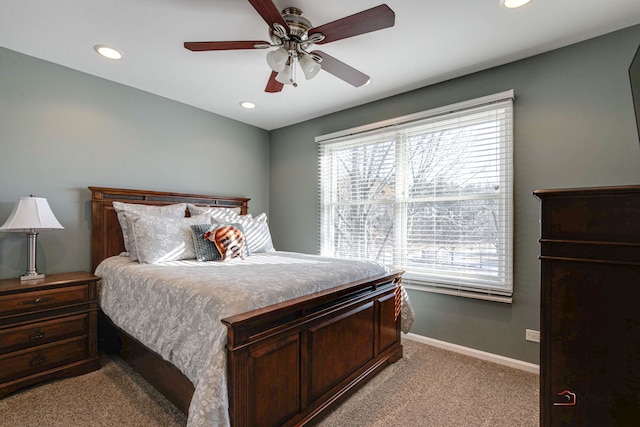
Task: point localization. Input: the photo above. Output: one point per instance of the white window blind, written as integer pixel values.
(430, 194)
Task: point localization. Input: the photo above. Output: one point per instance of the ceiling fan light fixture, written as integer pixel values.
(277, 59)
(292, 36)
(310, 68)
(284, 76)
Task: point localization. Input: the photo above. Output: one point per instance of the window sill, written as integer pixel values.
(486, 296)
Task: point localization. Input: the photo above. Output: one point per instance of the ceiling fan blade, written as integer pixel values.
(341, 70)
(204, 46)
(273, 85)
(269, 13)
(363, 22)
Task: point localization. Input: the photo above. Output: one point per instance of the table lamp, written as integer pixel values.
(30, 215)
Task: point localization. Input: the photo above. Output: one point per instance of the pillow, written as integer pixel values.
(131, 219)
(260, 217)
(259, 238)
(164, 239)
(200, 210)
(133, 251)
(229, 241)
(205, 249)
(170, 211)
(256, 231)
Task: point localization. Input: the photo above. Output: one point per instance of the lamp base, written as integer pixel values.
(31, 277)
(31, 274)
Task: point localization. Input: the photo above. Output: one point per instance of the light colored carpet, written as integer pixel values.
(431, 387)
(113, 396)
(427, 387)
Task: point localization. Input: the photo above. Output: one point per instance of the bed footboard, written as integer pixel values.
(289, 362)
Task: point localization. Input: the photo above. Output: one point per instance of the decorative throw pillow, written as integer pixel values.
(205, 249)
(168, 211)
(164, 239)
(229, 240)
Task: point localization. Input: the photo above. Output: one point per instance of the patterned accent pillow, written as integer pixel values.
(169, 211)
(205, 249)
(164, 239)
(229, 240)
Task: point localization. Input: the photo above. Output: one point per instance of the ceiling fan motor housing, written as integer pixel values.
(298, 25)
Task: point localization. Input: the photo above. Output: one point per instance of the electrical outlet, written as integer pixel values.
(531, 335)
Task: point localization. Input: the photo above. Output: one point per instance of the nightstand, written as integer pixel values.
(48, 329)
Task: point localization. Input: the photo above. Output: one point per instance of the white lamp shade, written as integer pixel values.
(309, 67)
(31, 213)
(277, 59)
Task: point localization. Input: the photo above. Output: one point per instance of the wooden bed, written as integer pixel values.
(286, 363)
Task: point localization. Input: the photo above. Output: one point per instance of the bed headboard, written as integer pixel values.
(106, 235)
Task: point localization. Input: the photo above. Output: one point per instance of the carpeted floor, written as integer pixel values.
(432, 387)
(427, 387)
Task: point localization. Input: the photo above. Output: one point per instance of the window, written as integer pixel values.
(430, 194)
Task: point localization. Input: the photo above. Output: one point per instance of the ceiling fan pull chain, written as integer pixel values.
(294, 71)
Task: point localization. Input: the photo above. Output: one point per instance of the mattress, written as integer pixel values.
(175, 308)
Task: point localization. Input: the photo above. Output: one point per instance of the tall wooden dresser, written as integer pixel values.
(590, 307)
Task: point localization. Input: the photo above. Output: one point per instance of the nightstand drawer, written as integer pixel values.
(31, 301)
(37, 359)
(13, 339)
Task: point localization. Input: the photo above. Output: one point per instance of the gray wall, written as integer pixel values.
(62, 130)
(574, 127)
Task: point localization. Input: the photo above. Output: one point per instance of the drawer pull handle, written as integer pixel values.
(37, 334)
(36, 301)
(38, 359)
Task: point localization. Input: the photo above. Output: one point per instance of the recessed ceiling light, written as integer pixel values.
(248, 105)
(107, 52)
(512, 4)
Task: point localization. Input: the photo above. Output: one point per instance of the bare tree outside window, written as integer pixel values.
(432, 198)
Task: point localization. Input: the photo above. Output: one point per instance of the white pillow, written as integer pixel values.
(165, 239)
(256, 233)
(200, 210)
(170, 211)
(259, 238)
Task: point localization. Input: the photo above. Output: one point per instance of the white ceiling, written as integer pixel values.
(432, 41)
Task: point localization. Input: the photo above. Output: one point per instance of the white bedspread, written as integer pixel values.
(175, 308)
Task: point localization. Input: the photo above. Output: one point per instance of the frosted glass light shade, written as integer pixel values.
(310, 68)
(284, 76)
(31, 213)
(277, 59)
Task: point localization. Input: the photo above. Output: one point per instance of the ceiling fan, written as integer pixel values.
(292, 34)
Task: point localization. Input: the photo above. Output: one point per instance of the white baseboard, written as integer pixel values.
(496, 358)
